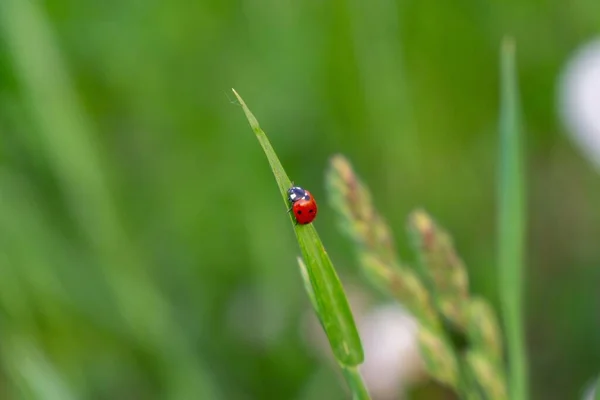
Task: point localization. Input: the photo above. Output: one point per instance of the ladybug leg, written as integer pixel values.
(290, 209)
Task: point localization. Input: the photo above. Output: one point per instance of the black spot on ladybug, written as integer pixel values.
(311, 211)
(299, 212)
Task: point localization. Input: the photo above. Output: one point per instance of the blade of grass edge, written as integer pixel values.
(309, 289)
(511, 225)
(333, 305)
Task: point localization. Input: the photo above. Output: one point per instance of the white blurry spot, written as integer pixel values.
(590, 391)
(389, 336)
(580, 99)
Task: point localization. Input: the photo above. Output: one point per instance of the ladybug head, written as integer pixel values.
(296, 193)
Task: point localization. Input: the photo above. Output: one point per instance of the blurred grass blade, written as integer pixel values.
(68, 142)
(511, 224)
(32, 373)
(331, 301)
(65, 134)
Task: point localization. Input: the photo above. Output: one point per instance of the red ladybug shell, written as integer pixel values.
(304, 210)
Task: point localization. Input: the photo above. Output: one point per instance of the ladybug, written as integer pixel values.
(303, 204)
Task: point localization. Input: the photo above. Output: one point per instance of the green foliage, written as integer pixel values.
(143, 250)
(323, 285)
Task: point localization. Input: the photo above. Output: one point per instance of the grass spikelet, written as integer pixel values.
(379, 261)
(442, 267)
(483, 329)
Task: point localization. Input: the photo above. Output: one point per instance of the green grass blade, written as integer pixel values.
(351, 374)
(332, 304)
(511, 225)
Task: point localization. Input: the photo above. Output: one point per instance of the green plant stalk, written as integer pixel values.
(356, 383)
(332, 304)
(511, 225)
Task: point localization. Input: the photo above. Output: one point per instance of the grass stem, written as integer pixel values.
(511, 225)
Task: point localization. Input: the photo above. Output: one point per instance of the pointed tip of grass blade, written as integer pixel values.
(283, 181)
(251, 118)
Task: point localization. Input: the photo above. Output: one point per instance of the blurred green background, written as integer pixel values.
(144, 249)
